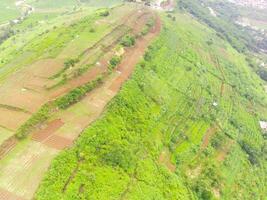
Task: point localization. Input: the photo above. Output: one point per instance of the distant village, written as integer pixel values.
(167, 5)
(261, 4)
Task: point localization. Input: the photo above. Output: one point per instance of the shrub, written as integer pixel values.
(115, 60)
(70, 63)
(251, 152)
(35, 119)
(118, 154)
(104, 13)
(77, 94)
(128, 41)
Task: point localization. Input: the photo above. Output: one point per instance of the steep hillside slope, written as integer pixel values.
(185, 126)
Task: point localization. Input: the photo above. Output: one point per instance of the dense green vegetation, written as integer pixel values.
(115, 60)
(185, 126)
(128, 41)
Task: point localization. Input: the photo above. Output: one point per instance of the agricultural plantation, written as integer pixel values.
(126, 100)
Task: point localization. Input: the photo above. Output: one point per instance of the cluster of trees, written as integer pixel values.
(77, 94)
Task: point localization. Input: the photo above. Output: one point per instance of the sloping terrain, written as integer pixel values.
(185, 126)
(131, 101)
(23, 163)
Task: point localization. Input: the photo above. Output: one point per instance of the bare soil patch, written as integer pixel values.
(50, 128)
(7, 146)
(12, 119)
(133, 55)
(165, 159)
(206, 139)
(85, 78)
(222, 89)
(25, 89)
(6, 195)
(58, 142)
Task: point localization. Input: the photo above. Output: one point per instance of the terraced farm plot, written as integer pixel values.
(66, 125)
(28, 88)
(185, 125)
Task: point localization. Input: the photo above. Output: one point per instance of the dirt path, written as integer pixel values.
(206, 139)
(23, 168)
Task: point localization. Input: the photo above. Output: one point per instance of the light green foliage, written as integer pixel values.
(173, 97)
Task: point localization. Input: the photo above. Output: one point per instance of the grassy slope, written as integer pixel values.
(168, 105)
(8, 11)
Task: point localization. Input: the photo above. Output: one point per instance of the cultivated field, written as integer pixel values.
(47, 79)
(129, 102)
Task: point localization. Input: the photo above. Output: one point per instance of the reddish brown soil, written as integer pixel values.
(6, 195)
(85, 78)
(12, 119)
(206, 139)
(44, 134)
(25, 89)
(133, 56)
(165, 159)
(97, 70)
(7, 146)
(58, 142)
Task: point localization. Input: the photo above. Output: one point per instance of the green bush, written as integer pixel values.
(104, 13)
(77, 94)
(128, 41)
(115, 60)
(37, 118)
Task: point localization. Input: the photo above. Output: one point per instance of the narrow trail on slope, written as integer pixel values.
(22, 170)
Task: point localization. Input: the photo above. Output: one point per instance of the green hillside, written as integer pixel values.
(185, 126)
